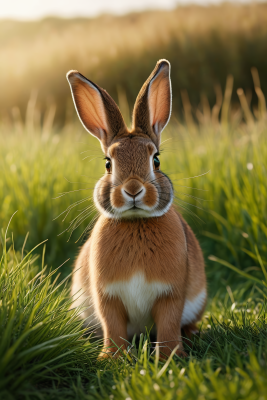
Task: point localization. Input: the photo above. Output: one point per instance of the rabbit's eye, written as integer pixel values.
(156, 162)
(108, 164)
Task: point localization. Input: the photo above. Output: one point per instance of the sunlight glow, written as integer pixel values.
(32, 9)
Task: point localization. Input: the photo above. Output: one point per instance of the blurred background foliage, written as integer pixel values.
(203, 44)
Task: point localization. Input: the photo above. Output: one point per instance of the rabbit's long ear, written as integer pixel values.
(97, 111)
(152, 108)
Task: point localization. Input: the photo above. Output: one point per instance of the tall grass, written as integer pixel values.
(41, 339)
(35, 170)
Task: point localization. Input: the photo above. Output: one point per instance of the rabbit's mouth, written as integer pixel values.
(134, 207)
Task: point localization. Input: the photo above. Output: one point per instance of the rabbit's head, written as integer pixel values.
(134, 185)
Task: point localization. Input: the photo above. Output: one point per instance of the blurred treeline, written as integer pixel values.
(203, 44)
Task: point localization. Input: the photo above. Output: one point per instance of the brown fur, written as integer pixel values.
(147, 243)
(160, 245)
(96, 108)
(131, 154)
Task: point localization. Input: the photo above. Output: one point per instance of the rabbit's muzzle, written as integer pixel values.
(133, 198)
(134, 195)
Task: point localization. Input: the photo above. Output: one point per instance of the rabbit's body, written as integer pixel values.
(140, 274)
(142, 263)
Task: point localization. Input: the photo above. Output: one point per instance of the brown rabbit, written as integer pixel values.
(147, 267)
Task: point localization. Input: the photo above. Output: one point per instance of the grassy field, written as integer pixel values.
(219, 172)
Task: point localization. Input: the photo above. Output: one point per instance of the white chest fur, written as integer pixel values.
(138, 297)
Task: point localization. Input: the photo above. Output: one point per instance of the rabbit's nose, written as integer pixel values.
(133, 196)
(133, 188)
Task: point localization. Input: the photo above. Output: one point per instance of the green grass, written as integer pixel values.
(45, 354)
(219, 173)
(40, 337)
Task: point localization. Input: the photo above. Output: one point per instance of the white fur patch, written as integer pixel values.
(138, 297)
(192, 308)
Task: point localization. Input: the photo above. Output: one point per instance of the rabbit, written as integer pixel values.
(142, 264)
